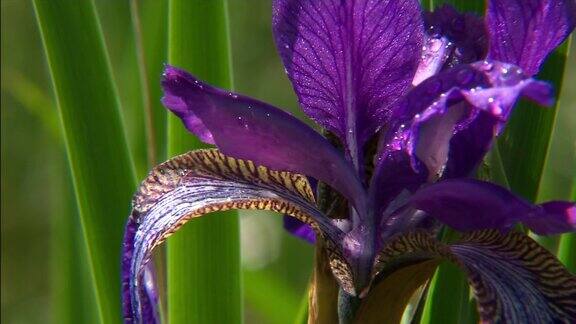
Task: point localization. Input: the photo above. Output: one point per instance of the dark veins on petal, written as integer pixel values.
(524, 32)
(514, 279)
(349, 61)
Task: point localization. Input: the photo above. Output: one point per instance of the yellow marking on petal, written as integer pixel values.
(263, 174)
(232, 163)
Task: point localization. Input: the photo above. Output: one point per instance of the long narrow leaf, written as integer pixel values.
(97, 151)
(525, 145)
(72, 291)
(559, 179)
(154, 29)
(204, 257)
(270, 297)
(72, 296)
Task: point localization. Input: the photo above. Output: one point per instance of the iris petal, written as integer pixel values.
(452, 38)
(349, 60)
(299, 229)
(201, 182)
(246, 128)
(468, 205)
(514, 279)
(447, 124)
(524, 32)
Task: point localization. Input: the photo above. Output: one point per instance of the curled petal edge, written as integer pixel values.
(201, 182)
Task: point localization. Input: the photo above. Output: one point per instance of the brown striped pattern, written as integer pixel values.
(514, 279)
(205, 181)
(210, 163)
(551, 283)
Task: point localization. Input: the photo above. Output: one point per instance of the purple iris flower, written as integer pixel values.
(410, 103)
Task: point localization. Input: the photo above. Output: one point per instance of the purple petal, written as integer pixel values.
(349, 60)
(468, 205)
(524, 32)
(448, 122)
(249, 129)
(299, 229)
(452, 38)
(514, 279)
(127, 256)
(192, 185)
(393, 175)
(554, 217)
(188, 116)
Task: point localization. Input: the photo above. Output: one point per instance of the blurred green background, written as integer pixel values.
(35, 182)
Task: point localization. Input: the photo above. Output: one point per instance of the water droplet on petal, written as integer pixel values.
(487, 66)
(496, 110)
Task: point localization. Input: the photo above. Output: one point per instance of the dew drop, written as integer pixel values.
(496, 110)
(487, 66)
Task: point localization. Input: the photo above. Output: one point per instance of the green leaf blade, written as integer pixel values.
(97, 151)
(528, 134)
(204, 277)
